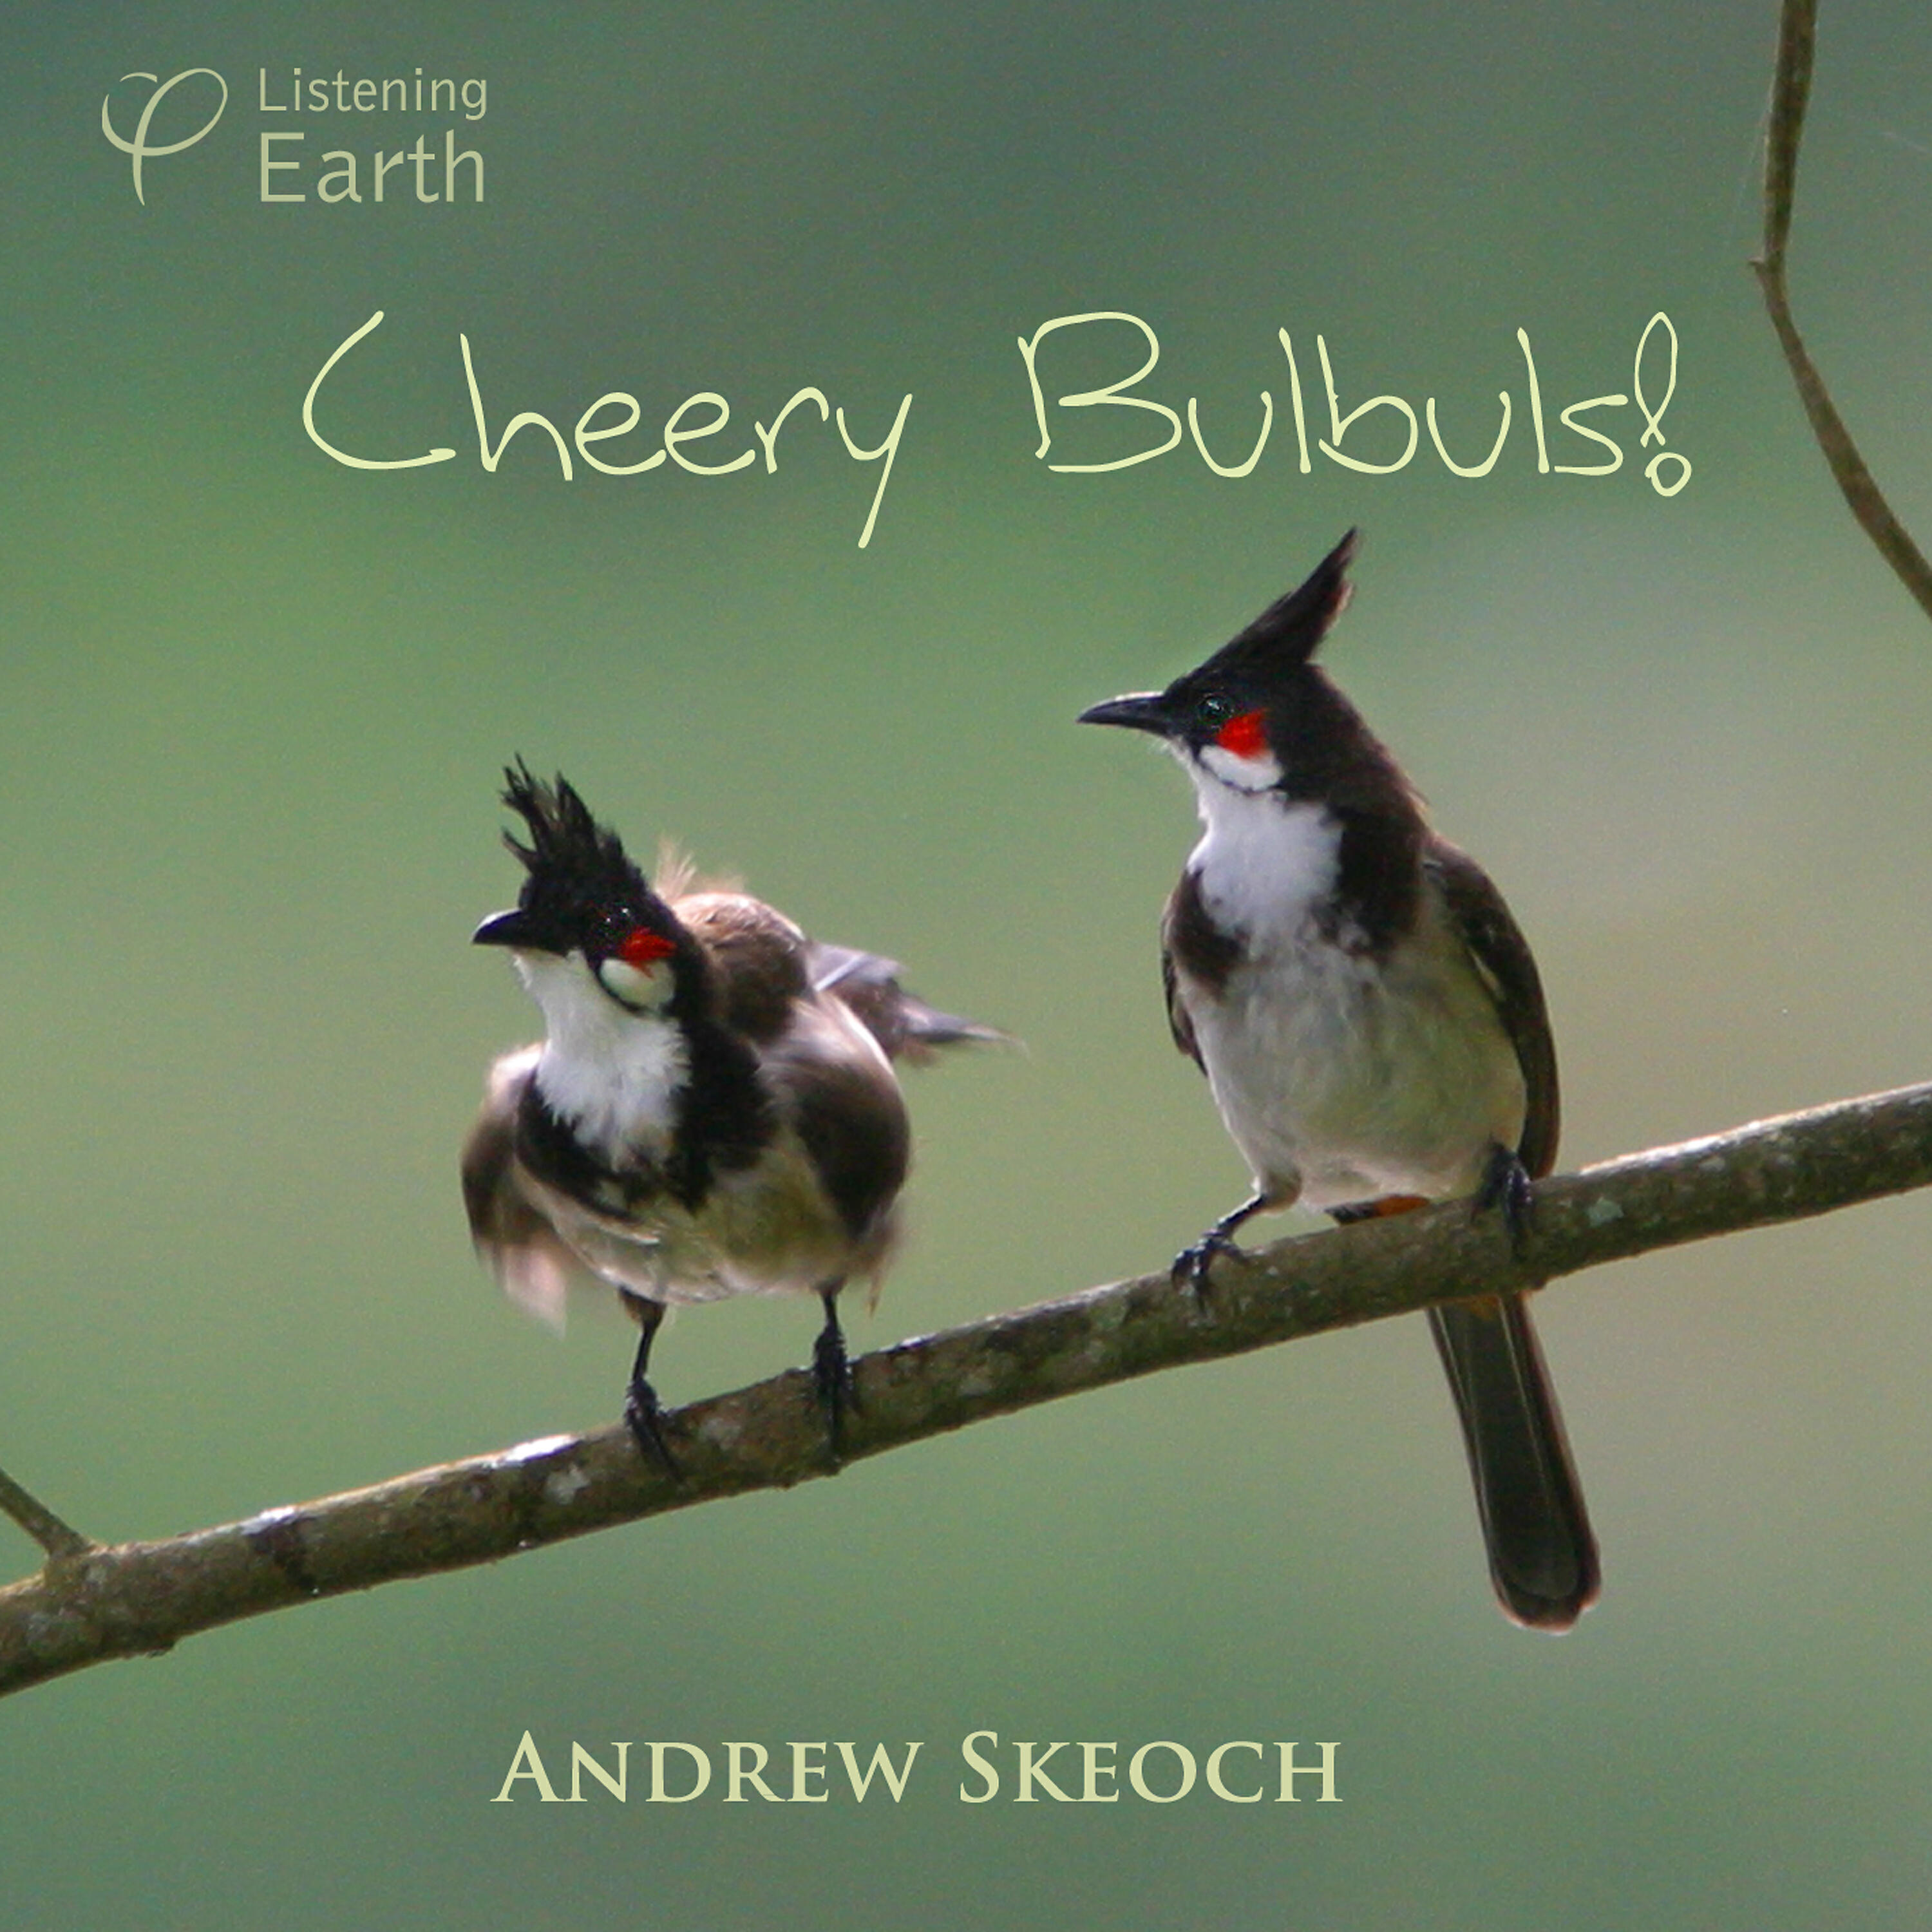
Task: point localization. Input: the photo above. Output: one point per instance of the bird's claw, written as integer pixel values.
(643, 1415)
(1506, 1186)
(836, 1386)
(1193, 1265)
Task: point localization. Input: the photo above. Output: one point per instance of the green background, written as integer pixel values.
(255, 704)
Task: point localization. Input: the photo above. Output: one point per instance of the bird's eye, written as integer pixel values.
(1215, 709)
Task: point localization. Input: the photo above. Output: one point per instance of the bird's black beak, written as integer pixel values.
(505, 929)
(1139, 711)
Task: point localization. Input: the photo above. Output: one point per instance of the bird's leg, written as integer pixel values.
(642, 1411)
(1506, 1185)
(832, 1373)
(1192, 1264)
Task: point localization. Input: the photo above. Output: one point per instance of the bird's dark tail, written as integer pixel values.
(1542, 1555)
(904, 1025)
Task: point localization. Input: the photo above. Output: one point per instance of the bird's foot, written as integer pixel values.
(835, 1386)
(1506, 1186)
(1193, 1265)
(643, 1415)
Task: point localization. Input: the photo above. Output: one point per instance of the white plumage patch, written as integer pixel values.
(611, 1074)
(639, 987)
(1247, 774)
(1262, 861)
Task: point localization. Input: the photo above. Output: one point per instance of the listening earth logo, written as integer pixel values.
(140, 149)
(326, 107)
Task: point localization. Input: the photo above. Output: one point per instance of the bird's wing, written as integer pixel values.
(532, 1265)
(843, 1100)
(1191, 942)
(1178, 1023)
(757, 959)
(1503, 958)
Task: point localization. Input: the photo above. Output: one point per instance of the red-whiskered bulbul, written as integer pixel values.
(1372, 1027)
(713, 1110)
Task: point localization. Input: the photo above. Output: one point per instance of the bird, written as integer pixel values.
(1373, 1030)
(713, 1110)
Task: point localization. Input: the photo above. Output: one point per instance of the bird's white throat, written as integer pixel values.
(1263, 861)
(612, 1075)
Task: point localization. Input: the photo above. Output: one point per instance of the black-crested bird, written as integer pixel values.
(713, 1110)
(1372, 1027)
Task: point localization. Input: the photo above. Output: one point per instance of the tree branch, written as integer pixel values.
(92, 1603)
(1791, 89)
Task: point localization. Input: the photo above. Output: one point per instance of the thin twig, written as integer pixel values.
(142, 1597)
(39, 1522)
(1791, 89)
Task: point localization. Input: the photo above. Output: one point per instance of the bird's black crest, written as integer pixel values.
(577, 867)
(1288, 632)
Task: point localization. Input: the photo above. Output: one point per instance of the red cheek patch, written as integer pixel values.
(642, 948)
(1245, 736)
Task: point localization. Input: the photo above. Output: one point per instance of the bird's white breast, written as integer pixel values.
(1342, 1075)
